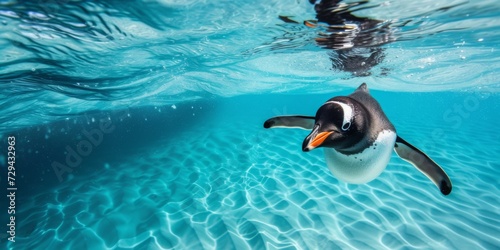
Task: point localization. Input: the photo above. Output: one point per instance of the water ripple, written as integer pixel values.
(76, 56)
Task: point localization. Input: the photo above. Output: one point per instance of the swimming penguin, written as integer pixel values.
(358, 139)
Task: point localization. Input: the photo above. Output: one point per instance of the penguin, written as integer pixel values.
(358, 139)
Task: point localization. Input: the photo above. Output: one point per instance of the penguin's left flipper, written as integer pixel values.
(291, 121)
(423, 163)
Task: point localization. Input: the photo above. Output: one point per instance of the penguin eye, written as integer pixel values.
(346, 126)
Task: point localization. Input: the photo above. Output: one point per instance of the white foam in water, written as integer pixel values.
(224, 187)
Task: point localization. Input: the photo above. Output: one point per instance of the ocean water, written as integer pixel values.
(139, 124)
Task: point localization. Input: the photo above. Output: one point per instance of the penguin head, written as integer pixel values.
(339, 123)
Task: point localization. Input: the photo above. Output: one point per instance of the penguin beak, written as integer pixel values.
(315, 140)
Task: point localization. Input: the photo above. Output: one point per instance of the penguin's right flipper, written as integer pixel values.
(292, 121)
(423, 163)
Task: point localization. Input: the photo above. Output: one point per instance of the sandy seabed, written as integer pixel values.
(232, 188)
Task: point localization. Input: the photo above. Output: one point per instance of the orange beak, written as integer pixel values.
(318, 140)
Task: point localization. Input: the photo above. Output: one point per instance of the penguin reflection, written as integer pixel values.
(354, 40)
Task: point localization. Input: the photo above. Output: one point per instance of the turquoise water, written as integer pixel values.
(166, 100)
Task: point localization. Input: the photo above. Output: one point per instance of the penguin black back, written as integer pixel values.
(377, 117)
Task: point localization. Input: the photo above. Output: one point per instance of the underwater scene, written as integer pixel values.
(281, 124)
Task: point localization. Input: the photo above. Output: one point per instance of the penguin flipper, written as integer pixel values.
(423, 163)
(292, 121)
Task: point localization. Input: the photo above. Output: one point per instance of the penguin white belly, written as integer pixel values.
(365, 166)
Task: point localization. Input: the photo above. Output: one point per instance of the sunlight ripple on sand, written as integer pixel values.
(235, 189)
